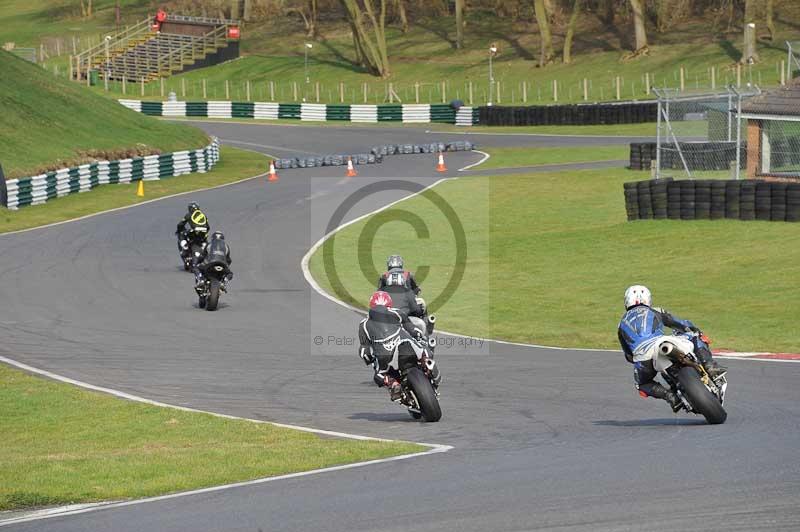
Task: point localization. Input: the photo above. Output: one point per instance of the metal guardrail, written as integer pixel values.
(201, 20)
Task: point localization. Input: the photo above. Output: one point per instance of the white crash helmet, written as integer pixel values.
(637, 295)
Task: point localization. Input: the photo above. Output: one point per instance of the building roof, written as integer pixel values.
(784, 101)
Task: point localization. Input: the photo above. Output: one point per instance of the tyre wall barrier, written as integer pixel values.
(3, 189)
(569, 115)
(41, 188)
(712, 199)
(409, 114)
(374, 156)
(715, 155)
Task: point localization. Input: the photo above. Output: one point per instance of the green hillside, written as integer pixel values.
(49, 123)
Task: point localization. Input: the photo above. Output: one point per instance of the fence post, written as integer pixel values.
(227, 90)
(272, 91)
(617, 87)
(647, 82)
(70, 68)
(416, 91)
(106, 83)
(247, 89)
(391, 93)
(316, 90)
(738, 75)
(444, 88)
(783, 74)
(183, 88)
(341, 92)
(585, 90)
(555, 90)
(161, 80)
(205, 90)
(294, 90)
(365, 92)
(683, 81)
(713, 77)
(124, 84)
(524, 92)
(142, 86)
(470, 93)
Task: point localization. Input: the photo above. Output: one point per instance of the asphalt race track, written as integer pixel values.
(543, 439)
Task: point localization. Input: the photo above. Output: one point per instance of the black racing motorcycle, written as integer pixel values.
(681, 369)
(191, 245)
(213, 282)
(413, 366)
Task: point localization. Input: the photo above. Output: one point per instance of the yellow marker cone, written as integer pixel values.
(140, 190)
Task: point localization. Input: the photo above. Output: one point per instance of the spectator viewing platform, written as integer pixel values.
(159, 47)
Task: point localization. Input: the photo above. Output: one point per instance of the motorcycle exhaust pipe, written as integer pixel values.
(432, 343)
(666, 348)
(430, 324)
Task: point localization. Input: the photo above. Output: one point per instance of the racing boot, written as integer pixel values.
(395, 392)
(655, 389)
(711, 366)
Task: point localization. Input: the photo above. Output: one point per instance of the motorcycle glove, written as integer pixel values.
(366, 356)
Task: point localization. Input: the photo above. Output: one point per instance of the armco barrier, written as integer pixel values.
(38, 189)
(570, 115)
(701, 155)
(712, 199)
(408, 113)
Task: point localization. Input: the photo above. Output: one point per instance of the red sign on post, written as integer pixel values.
(233, 32)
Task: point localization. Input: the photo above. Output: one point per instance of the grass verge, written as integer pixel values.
(62, 444)
(234, 164)
(520, 157)
(49, 123)
(550, 254)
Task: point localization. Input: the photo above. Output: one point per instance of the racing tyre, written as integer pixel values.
(703, 401)
(426, 397)
(213, 295)
(415, 415)
(202, 302)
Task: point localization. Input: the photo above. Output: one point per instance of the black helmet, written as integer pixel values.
(394, 261)
(193, 207)
(217, 235)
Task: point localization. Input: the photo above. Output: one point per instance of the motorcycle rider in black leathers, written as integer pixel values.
(641, 332)
(380, 334)
(215, 253)
(404, 300)
(394, 264)
(193, 224)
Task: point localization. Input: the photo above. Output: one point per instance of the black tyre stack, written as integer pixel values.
(645, 200)
(763, 200)
(712, 200)
(747, 200)
(687, 199)
(702, 199)
(718, 190)
(631, 200)
(732, 189)
(659, 198)
(777, 202)
(793, 202)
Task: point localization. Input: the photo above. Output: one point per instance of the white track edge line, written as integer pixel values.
(485, 158)
(434, 448)
(304, 265)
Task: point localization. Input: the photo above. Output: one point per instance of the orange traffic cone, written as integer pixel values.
(440, 167)
(351, 171)
(273, 175)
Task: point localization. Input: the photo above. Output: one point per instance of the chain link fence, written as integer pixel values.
(698, 135)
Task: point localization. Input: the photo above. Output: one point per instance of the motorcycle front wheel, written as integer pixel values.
(426, 396)
(703, 401)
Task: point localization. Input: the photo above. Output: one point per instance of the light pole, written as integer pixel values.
(308, 47)
(492, 53)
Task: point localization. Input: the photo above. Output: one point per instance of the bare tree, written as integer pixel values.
(639, 26)
(459, 24)
(573, 19)
(369, 35)
(86, 8)
(542, 20)
(771, 19)
(247, 10)
(400, 8)
(749, 53)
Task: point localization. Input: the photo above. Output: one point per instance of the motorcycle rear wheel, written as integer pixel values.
(426, 396)
(703, 401)
(202, 302)
(213, 295)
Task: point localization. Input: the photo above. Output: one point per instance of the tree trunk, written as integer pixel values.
(313, 30)
(234, 9)
(749, 53)
(247, 11)
(546, 54)
(573, 18)
(400, 6)
(371, 48)
(459, 24)
(638, 25)
(771, 19)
